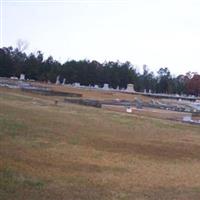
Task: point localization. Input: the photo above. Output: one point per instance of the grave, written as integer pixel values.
(77, 85)
(58, 80)
(64, 80)
(187, 118)
(13, 78)
(105, 86)
(129, 110)
(22, 77)
(130, 88)
(85, 102)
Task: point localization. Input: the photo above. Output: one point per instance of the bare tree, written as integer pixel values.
(22, 45)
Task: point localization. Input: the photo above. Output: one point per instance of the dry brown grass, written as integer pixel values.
(91, 94)
(75, 152)
(150, 112)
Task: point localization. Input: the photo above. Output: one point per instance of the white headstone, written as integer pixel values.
(105, 86)
(187, 109)
(130, 88)
(187, 118)
(22, 77)
(145, 91)
(64, 80)
(77, 84)
(129, 110)
(96, 86)
(13, 78)
(57, 80)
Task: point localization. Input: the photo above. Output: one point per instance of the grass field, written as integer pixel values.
(76, 152)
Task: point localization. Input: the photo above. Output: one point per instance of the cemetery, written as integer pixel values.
(171, 107)
(53, 133)
(99, 100)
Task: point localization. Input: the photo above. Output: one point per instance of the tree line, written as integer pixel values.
(14, 61)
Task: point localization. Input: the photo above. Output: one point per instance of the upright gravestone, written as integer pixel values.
(58, 80)
(105, 86)
(77, 84)
(130, 88)
(64, 80)
(22, 77)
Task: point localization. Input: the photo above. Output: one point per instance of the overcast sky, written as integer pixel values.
(159, 33)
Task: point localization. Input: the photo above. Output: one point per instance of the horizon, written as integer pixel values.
(158, 34)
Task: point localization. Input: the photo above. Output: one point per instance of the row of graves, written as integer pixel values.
(186, 114)
(129, 89)
(182, 110)
(187, 105)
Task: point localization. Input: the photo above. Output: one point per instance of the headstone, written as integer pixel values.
(13, 78)
(64, 80)
(150, 91)
(130, 88)
(187, 118)
(22, 77)
(187, 109)
(96, 86)
(129, 110)
(105, 86)
(77, 84)
(58, 80)
(145, 91)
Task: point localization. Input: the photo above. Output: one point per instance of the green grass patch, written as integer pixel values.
(11, 181)
(11, 127)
